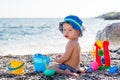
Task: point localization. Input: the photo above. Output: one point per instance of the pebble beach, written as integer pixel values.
(31, 74)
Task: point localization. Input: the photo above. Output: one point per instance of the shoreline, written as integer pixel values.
(29, 72)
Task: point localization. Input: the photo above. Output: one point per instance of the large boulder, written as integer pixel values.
(110, 33)
(110, 16)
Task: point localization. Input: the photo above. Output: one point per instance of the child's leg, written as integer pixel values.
(66, 72)
(53, 66)
(70, 73)
(60, 71)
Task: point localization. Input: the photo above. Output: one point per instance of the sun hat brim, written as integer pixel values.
(74, 21)
(73, 25)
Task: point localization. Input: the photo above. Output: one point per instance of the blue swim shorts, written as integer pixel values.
(65, 66)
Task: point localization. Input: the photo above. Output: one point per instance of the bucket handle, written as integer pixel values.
(9, 67)
(45, 64)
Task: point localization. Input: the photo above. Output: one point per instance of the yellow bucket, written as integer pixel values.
(16, 67)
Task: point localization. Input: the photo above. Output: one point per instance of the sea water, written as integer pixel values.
(41, 35)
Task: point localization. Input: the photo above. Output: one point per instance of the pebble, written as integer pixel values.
(30, 74)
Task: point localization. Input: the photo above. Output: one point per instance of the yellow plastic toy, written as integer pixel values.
(16, 67)
(93, 52)
(99, 43)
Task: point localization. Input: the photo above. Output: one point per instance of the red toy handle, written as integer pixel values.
(106, 53)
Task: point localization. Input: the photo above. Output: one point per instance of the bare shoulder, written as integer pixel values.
(73, 43)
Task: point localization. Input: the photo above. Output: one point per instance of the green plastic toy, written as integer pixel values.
(101, 52)
(103, 67)
(49, 72)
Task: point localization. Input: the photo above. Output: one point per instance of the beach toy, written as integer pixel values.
(49, 72)
(39, 62)
(103, 60)
(16, 67)
(93, 52)
(113, 70)
(103, 67)
(106, 53)
(101, 52)
(89, 69)
(94, 66)
(99, 43)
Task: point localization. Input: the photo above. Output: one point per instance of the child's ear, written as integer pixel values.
(78, 32)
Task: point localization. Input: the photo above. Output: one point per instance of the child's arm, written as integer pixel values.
(66, 55)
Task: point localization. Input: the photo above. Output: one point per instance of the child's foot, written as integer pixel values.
(70, 73)
(81, 70)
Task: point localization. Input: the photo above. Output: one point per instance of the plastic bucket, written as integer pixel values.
(40, 62)
(94, 66)
(16, 67)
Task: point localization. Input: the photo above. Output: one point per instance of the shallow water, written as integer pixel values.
(32, 35)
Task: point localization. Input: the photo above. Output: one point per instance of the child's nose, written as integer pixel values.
(65, 32)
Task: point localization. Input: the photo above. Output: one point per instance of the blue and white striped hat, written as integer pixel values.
(76, 23)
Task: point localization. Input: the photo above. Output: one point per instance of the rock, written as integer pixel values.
(110, 33)
(110, 16)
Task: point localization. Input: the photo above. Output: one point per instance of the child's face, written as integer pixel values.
(69, 32)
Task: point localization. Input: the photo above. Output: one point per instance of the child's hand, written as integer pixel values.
(56, 59)
(58, 56)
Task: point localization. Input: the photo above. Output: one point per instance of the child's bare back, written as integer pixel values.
(74, 56)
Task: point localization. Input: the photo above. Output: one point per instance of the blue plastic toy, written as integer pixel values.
(113, 70)
(89, 69)
(103, 60)
(39, 62)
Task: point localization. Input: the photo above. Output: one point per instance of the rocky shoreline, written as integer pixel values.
(111, 33)
(110, 16)
(30, 74)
